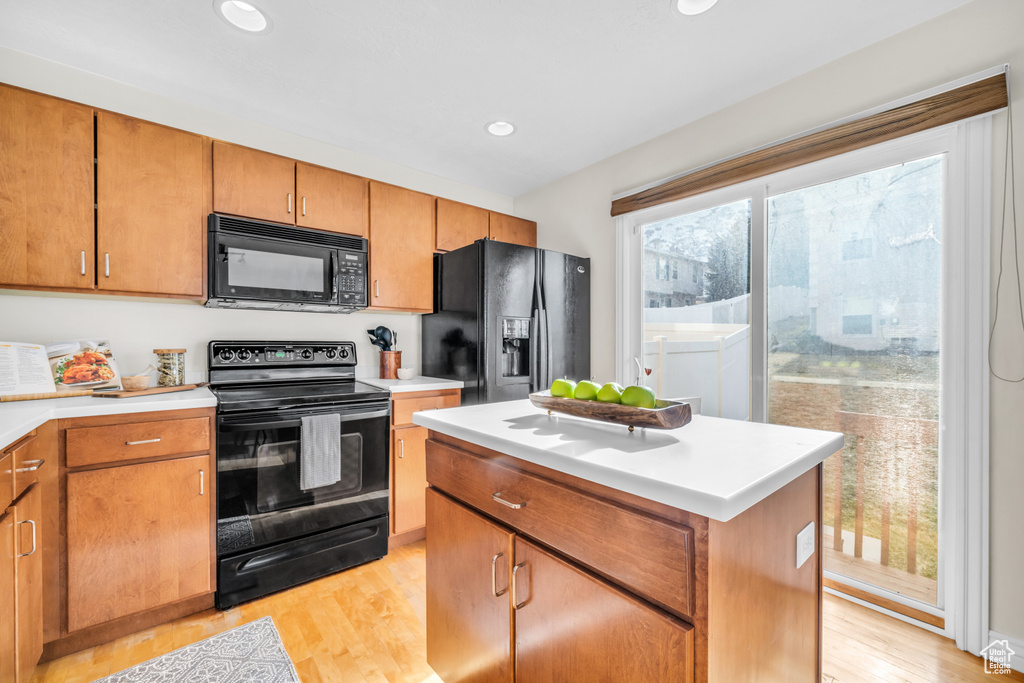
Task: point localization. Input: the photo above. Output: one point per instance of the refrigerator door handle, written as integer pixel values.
(536, 383)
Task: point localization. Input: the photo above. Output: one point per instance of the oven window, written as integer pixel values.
(274, 270)
(259, 500)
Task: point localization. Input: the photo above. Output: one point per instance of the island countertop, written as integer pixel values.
(712, 467)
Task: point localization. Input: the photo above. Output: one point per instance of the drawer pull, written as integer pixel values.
(30, 552)
(515, 506)
(494, 577)
(36, 464)
(289, 202)
(515, 600)
(202, 483)
(136, 443)
(83, 262)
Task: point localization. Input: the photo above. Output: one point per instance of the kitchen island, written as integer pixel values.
(564, 549)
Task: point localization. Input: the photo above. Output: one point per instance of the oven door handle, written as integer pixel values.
(228, 426)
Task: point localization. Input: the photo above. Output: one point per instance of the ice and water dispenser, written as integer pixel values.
(515, 347)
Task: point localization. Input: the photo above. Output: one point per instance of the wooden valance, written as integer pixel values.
(960, 103)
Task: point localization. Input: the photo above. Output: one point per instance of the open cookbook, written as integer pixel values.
(56, 368)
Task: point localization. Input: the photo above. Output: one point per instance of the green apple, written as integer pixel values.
(610, 393)
(563, 388)
(638, 396)
(587, 390)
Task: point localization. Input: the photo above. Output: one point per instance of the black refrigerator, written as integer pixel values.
(507, 320)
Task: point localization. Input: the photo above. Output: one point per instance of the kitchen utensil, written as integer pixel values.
(406, 373)
(390, 361)
(381, 337)
(135, 382)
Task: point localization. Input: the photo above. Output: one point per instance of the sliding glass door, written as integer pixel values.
(854, 314)
(835, 296)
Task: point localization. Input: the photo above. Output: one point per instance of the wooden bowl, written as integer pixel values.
(665, 414)
(135, 382)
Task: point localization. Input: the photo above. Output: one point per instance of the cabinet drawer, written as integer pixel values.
(647, 555)
(135, 440)
(26, 459)
(403, 408)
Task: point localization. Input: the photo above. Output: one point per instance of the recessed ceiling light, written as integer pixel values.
(243, 15)
(500, 128)
(691, 7)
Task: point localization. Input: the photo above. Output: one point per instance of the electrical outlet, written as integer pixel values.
(804, 544)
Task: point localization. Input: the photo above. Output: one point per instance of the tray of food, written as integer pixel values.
(633, 406)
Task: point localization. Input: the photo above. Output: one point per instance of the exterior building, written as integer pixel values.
(672, 280)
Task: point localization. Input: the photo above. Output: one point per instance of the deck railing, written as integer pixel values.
(887, 432)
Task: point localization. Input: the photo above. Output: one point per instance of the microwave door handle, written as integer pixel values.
(333, 273)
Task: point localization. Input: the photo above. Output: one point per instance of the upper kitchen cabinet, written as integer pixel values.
(251, 183)
(505, 228)
(151, 207)
(459, 224)
(46, 192)
(401, 249)
(331, 200)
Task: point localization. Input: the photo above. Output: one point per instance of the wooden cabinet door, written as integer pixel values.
(151, 215)
(409, 453)
(401, 248)
(459, 224)
(46, 191)
(251, 183)
(505, 228)
(468, 608)
(28, 546)
(572, 626)
(8, 618)
(138, 537)
(332, 200)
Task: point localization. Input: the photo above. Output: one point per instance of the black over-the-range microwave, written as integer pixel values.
(260, 265)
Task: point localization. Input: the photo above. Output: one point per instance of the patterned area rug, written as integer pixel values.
(251, 653)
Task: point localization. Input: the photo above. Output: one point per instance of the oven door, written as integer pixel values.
(245, 267)
(259, 500)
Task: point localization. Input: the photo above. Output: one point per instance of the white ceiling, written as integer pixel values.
(415, 81)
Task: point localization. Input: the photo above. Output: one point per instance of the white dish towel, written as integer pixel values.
(320, 451)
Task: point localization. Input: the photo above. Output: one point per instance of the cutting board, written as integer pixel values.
(148, 392)
(36, 397)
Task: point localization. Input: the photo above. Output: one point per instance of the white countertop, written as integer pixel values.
(397, 386)
(712, 467)
(18, 418)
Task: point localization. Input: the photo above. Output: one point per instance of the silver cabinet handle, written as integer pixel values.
(376, 288)
(494, 577)
(401, 448)
(83, 262)
(515, 506)
(515, 600)
(33, 523)
(303, 206)
(202, 483)
(136, 443)
(289, 202)
(36, 464)
(106, 264)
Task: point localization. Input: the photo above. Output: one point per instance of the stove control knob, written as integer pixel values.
(343, 352)
(226, 355)
(244, 355)
(306, 354)
(330, 354)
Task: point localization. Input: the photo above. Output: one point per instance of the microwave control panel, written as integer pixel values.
(351, 279)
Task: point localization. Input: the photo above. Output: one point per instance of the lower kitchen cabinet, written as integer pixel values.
(28, 570)
(8, 615)
(518, 607)
(410, 478)
(138, 538)
(409, 460)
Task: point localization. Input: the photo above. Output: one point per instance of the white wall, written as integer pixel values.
(573, 212)
(137, 326)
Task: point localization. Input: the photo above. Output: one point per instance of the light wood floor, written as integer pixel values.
(366, 624)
